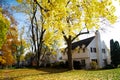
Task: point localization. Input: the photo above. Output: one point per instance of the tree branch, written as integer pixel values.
(32, 23)
(67, 3)
(46, 10)
(65, 37)
(80, 34)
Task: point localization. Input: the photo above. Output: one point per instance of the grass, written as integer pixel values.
(59, 74)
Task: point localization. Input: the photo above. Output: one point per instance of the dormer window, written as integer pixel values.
(83, 46)
(83, 49)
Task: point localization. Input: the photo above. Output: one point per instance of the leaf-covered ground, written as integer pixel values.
(59, 74)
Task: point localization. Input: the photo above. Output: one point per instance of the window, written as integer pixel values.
(91, 50)
(105, 61)
(78, 49)
(83, 49)
(83, 62)
(103, 51)
(94, 50)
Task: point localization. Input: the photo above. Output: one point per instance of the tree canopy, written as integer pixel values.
(4, 25)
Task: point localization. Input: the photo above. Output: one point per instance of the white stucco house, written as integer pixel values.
(90, 49)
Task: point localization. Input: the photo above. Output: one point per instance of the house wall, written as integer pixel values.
(77, 54)
(80, 54)
(107, 54)
(93, 55)
(99, 55)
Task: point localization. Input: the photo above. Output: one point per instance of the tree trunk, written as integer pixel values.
(38, 58)
(69, 53)
(18, 61)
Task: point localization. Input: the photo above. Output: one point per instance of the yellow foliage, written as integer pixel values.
(22, 58)
(48, 38)
(2, 61)
(4, 25)
(7, 55)
(76, 13)
(9, 47)
(71, 16)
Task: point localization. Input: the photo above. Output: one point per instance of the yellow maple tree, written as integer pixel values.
(70, 17)
(67, 18)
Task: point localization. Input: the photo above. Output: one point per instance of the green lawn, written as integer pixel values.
(59, 74)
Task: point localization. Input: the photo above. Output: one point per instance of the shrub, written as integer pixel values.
(66, 64)
(118, 66)
(62, 64)
(58, 65)
(76, 64)
(48, 65)
(93, 65)
(110, 66)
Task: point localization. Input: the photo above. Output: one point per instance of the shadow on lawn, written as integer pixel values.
(45, 71)
(53, 70)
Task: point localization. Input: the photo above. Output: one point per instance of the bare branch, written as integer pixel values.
(46, 10)
(67, 3)
(80, 34)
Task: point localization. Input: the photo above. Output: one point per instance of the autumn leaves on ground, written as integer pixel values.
(59, 74)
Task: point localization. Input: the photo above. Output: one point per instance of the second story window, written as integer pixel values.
(103, 51)
(94, 50)
(91, 49)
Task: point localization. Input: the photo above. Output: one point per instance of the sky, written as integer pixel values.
(19, 17)
(111, 31)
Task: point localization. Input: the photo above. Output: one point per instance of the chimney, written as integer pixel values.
(98, 49)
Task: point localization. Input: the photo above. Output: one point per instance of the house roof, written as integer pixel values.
(85, 42)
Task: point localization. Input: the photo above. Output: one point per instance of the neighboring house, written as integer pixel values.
(88, 50)
(45, 59)
(49, 58)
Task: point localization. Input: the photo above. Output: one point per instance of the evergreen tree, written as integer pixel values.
(115, 52)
